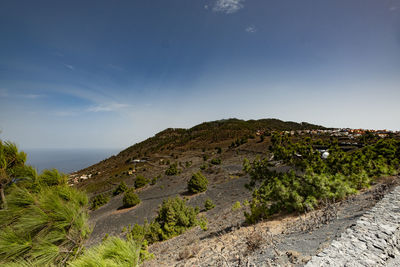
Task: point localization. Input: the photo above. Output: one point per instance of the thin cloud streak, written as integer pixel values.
(31, 96)
(107, 107)
(251, 29)
(228, 6)
(69, 66)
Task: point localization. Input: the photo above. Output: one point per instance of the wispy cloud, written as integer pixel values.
(4, 93)
(251, 29)
(31, 96)
(107, 107)
(228, 6)
(69, 66)
(393, 8)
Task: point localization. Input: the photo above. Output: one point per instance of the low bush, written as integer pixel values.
(208, 204)
(172, 170)
(154, 180)
(140, 181)
(188, 164)
(236, 206)
(122, 187)
(174, 218)
(130, 199)
(198, 183)
(99, 201)
(216, 161)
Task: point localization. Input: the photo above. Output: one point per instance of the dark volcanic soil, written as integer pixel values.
(226, 186)
(284, 240)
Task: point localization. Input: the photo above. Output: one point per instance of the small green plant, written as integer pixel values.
(130, 199)
(205, 157)
(246, 203)
(112, 251)
(99, 201)
(236, 206)
(172, 170)
(174, 218)
(216, 161)
(203, 167)
(140, 181)
(208, 204)
(122, 187)
(219, 150)
(154, 180)
(198, 183)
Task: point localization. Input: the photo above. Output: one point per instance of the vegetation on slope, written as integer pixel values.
(174, 217)
(312, 178)
(130, 199)
(198, 183)
(212, 132)
(44, 221)
(113, 252)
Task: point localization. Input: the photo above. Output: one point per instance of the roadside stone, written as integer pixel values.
(373, 241)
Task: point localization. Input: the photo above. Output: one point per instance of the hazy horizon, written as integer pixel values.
(100, 74)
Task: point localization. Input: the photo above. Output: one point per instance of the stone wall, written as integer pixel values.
(373, 241)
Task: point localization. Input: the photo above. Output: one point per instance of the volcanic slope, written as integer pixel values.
(217, 149)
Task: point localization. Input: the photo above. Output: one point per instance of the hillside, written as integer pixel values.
(173, 143)
(160, 167)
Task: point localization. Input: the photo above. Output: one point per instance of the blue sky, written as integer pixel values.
(106, 74)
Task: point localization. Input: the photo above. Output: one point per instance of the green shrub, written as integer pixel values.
(154, 180)
(130, 199)
(236, 206)
(99, 201)
(198, 183)
(208, 204)
(174, 218)
(45, 227)
(140, 181)
(341, 174)
(188, 164)
(112, 252)
(172, 170)
(52, 178)
(203, 167)
(122, 187)
(216, 161)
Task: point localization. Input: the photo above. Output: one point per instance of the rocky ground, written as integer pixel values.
(374, 240)
(226, 186)
(285, 240)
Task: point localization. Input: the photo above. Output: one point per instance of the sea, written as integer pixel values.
(66, 160)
